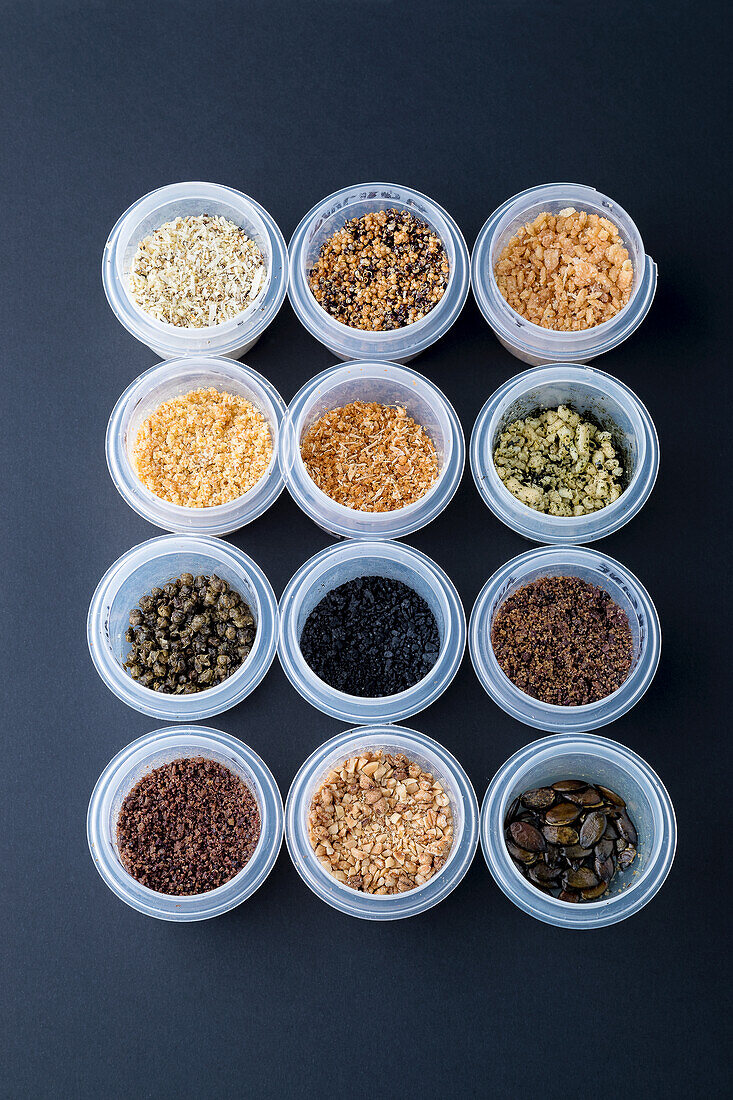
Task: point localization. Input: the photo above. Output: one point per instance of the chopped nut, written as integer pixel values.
(395, 831)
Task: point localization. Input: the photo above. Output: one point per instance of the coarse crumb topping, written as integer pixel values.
(380, 824)
(566, 271)
(370, 457)
(196, 271)
(202, 449)
(559, 464)
(381, 271)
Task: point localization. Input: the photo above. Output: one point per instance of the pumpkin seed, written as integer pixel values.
(527, 837)
(592, 829)
(560, 834)
(562, 814)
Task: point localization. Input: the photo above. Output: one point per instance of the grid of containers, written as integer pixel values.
(374, 370)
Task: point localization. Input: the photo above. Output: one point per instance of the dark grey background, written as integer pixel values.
(470, 103)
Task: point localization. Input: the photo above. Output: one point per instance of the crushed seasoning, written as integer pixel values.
(568, 271)
(203, 449)
(187, 827)
(563, 641)
(370, 457)
(196, 271)
(559, 464)
(380, 271)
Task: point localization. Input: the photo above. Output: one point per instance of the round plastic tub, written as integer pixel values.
(429, 755)
(232, 338)
(325, 219)
(165, 382)
(153, 751)
(149, 565)
(335, 566)
(597, 760)
(588, 391)
(598, 569)
(529, 342)
(388, 384)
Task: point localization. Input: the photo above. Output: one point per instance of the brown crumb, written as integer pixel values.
(380, 824)
(566, 271)
(202, 449)
(370, 457)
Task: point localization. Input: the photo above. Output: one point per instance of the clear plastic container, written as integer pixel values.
(231, 338)
(590, 392)
(152, 564)
(529, 342)
(388, 384)
(325, 219)
(598, 569)
(431, 756)
(153, 751)
(165, 382)
(597, 760)
(335, 566)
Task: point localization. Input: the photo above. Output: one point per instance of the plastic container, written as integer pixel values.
(529, 342)
(388, 384)
(153, 751)
(597, 760)
(339, 564)
(326, 218)
(231, 338)
(153, 563)
(431, 756)
(163, 383)
(590, 392)
(598, 569)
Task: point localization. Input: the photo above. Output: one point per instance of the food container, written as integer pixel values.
(595, 395)
(388, 384)
(597, 760)
(598, 569)
(325, 219)
(432, 757)
(153, 751)
(153, 563)
(335, 566)
(165, 382)
(231, 338)
(529, 342)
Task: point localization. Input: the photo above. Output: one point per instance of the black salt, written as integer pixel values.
(370, 637)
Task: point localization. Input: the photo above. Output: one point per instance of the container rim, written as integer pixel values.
(549, 716)
(191, 907)
(375, 906)
(213, 700)
(219, 519)
(545, 907)
(349, 522)
(409, 340)
(365, 709)
(539, 526)
(226, 338)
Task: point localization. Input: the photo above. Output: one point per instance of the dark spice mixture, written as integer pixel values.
(187, 827)
(563, 640)
(381, 271)
(189, 635)
(370, 637)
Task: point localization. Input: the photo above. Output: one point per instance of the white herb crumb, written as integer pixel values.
(196, 271)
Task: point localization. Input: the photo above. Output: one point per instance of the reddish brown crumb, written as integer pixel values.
(370, 457)
(566, 271)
